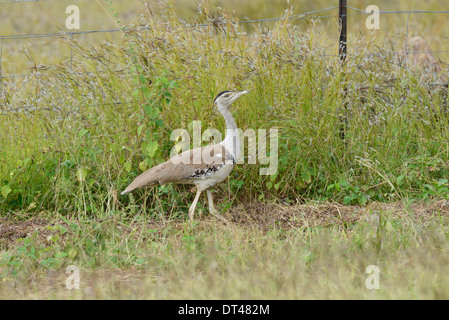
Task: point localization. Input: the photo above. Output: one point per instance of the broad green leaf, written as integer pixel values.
(81, 174)
(389, 226)
(347, 199)
(151, 148)
(26, 161)
(343, 183)
(71, 251)
(136, 93)
(114, 147)
(6, 190)
(139, 130)
(146, 92)
(306, 176)
(143, 165)
(362, 200)
(159, 123)
(151, 111)
(142, 79)
(82, 132)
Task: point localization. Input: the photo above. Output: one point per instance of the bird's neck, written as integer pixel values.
(232, 139)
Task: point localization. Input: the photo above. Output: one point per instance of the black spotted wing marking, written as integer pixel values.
(226, 159)
(206, 171)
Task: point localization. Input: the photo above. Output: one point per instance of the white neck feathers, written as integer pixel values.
(232, 139)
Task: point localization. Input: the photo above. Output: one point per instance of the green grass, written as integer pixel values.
(139, 258)
(74, 140)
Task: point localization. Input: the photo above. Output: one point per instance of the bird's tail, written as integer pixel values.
(149, 178)
(144, 180)
(133, 186)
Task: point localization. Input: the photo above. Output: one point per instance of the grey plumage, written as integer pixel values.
(175, 171)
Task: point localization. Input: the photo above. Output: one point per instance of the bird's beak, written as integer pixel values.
(240, 93)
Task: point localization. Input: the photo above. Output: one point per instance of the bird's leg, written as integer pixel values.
(211, 202)
(212, 209)
(193, 206)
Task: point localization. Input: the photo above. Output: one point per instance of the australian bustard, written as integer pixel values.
(205, 166)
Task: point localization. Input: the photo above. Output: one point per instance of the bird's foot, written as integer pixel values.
(217, 215)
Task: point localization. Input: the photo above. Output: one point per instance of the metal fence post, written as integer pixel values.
(343, 22)
(1, 70)
(342, 51)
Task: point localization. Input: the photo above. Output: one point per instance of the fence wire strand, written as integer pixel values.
(305, 15)
(19, 1)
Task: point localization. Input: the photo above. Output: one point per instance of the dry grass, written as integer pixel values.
(263, 252)
(268, 216)
(259, 216)
(21, 56)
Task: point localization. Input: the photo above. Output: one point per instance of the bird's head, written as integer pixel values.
(224, 99)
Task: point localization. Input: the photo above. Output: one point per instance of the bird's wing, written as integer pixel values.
(189, 164)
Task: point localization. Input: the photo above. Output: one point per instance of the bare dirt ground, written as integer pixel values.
(261, 216)
(265, 216)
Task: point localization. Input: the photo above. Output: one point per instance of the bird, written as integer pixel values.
(203, 167)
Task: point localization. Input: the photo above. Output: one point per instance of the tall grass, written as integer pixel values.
(80, 138)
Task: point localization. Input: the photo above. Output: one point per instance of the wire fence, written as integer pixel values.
(316, 15)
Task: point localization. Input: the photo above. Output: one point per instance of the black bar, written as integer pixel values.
(342, 51)
(343, 21)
